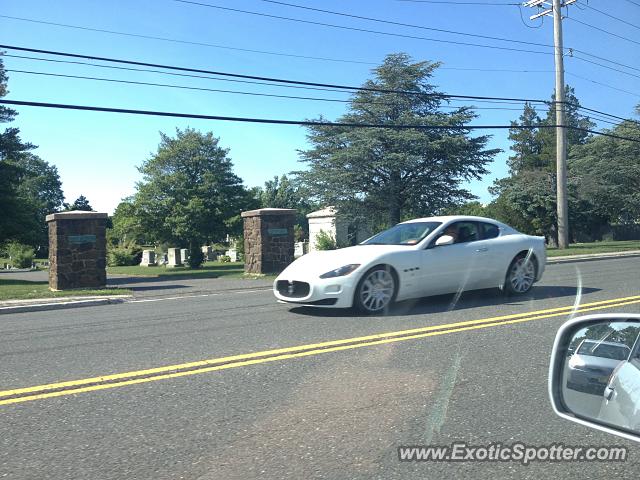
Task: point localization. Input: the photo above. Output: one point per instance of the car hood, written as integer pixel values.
(591, 361)
(316, 263)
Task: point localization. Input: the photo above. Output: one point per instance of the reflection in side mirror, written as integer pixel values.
(594, 377)
(444, 240)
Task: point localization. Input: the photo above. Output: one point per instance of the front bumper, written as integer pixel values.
(334, 292)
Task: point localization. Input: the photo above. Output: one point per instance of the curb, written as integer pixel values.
(43, 306)
(592, 256)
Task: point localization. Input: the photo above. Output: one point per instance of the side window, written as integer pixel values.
(489, 230)
(463, 232)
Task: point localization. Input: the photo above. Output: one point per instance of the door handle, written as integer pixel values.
(608, 393)
(482, 249)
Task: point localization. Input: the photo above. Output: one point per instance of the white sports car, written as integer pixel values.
(418, 258)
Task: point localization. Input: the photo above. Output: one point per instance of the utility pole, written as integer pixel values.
(561, 131)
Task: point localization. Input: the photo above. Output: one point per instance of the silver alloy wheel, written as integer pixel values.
(377, 290)
(522, 275)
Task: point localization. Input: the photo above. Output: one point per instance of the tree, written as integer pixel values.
(286, 193)
(526, 143)
(386, 174)
(126, 227)
(527, 198)
(606, 172)
(40, 190)
(80, 203)
(189, 193)
(16, 215)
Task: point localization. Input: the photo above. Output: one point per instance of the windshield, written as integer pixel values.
(603, 350)
(403, 234)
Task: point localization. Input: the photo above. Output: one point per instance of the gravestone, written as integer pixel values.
(148, 258)
(77, 250)
(208, 254)
(173, 258)
(232, 253)
(268, 239)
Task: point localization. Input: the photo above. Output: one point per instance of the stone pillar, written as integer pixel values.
(173, 258)
(268, 239)
(77, 250)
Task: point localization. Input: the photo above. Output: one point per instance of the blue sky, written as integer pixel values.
(97, 153)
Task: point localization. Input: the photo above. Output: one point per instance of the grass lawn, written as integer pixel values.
(12, 289)
(207, 270)
(595, 247)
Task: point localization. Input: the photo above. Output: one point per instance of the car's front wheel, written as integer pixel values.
(521, 274)
(376, 290)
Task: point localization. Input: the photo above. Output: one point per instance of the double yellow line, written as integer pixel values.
(59, 389)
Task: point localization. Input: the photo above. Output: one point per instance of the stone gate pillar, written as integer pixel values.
(77, 250)
(268, 239)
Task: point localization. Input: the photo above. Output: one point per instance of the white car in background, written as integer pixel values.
(418, 258)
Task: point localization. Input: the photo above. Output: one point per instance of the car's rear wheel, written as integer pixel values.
(376, 290)
(520, 275)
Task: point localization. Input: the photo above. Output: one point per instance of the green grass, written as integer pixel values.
(207, 270)
(595, 247)
(12, 289)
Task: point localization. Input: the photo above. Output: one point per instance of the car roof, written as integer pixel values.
(615, 344)
(448, 218)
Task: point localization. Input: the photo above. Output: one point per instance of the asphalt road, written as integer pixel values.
(320, 412)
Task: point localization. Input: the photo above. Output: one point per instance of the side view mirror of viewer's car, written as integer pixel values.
(594, 376)
(444, 240)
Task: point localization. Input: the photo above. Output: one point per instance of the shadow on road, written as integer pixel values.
(444, 303)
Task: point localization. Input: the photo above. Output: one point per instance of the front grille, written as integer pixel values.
(292, 289)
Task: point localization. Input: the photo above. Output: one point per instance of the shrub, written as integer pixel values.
(196, 257)
(21, 255)
(325, 241)
(224, 259)
(123, 256)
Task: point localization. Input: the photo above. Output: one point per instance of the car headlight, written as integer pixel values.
(341, 272)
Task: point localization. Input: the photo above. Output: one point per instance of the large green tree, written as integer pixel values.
(386, 174)
(189, 193)
(526, 198)
(606, 172)
(30, 188)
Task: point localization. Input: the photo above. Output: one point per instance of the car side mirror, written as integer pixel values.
(594, 376)
(444, 240)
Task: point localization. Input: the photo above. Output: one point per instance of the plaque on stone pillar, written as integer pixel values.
(77, 250)
(268, 239)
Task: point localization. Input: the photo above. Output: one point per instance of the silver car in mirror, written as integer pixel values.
(594, 376)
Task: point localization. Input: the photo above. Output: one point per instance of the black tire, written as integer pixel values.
(376, 290)
(521, 274)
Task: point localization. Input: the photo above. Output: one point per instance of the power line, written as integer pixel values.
(632, 2)
(388, 22)
(187, 42)
(610, 16)
(365, 30)
(251, 82)
(242, 77)
(263, 78)
(603, 30)
(283, 54)
(605, 66)
(602, 84)
(186, 87)
(261, 14)
(450, 2)
(301, 122)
